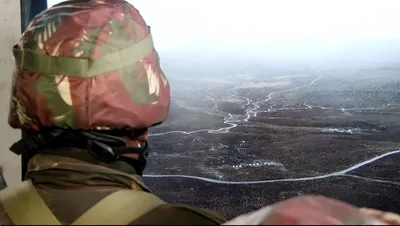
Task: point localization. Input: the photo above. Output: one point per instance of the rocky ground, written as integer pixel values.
(260, 141)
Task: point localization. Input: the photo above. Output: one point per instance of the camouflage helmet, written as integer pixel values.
(88, 64)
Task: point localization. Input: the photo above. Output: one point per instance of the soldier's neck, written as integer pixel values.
(60, 172)
(83, 155)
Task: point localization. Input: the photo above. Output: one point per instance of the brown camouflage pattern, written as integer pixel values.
(135, 97)
(124, 98)
(70, 187)
(315, 210)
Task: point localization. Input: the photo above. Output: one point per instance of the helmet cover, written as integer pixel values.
(90, 65)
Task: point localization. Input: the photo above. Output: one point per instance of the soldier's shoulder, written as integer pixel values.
(173, 214)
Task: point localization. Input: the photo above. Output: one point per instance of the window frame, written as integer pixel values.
(29, 9)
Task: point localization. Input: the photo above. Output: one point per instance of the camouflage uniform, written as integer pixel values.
(70, 187)
(315, 210)
(91, 65)
(88, 65)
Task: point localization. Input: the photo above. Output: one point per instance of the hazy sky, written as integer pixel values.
(288, 26)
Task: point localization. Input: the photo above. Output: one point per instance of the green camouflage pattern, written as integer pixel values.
(315, 210)
(70, 187)
(88, 64)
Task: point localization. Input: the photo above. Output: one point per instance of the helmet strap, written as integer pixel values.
(104, 147)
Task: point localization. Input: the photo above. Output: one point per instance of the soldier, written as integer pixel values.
(315, 210)
(87, 85)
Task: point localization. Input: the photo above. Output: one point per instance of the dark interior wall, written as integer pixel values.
(29, 9)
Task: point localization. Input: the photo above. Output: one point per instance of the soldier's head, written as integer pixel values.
(88, 68)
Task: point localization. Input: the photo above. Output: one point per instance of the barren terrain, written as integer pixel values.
(290, 129)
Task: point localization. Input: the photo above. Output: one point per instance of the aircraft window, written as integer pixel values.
(272, 99)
